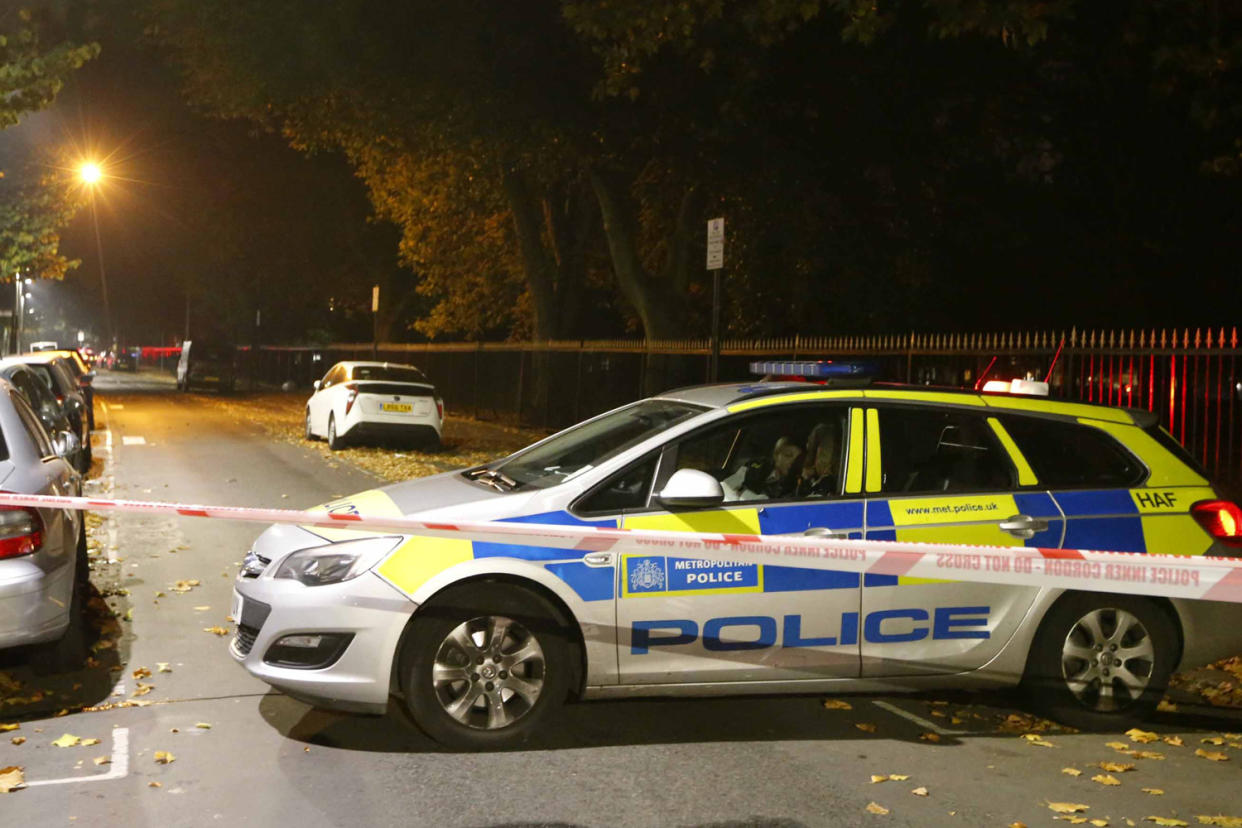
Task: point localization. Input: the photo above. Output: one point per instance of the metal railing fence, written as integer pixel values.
(1191, 378)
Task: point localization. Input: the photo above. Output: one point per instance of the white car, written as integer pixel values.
(482, 640)
(361, 400)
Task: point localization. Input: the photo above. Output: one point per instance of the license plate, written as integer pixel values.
(401, 408)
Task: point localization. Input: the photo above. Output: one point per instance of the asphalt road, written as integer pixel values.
(266, 759)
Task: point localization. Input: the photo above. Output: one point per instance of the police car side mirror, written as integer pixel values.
(689, 488)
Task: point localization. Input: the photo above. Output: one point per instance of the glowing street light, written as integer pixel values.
(91, 174)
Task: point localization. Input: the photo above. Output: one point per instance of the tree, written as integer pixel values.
(34, 207)
(31, 74)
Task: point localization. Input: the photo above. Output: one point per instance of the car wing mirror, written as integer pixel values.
(318, 384)
(65, 443)
(688, 488)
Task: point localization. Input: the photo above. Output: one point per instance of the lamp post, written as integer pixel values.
(91, 175)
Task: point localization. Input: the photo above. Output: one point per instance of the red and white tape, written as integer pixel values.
(1172, 576)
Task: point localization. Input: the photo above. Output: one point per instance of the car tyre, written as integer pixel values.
(335, 441)
(485, 665)
(310, 435)
(1101, 661)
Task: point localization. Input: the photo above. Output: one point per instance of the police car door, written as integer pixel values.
(945, 475)
(684, 620)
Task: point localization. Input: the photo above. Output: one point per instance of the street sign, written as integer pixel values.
(715, 243)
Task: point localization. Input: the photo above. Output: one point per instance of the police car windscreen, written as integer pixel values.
(587, 445)
(388, 373)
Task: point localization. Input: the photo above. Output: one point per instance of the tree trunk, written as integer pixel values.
(537, 263)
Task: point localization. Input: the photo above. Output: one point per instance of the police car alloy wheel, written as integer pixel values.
(484, 665)
(1100, 660)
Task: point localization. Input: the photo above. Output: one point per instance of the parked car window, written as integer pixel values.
(38, 434)
(1068, 455)
(925, 450)
(585, 446)
(388, 373)
(792, 453)
(627, 489)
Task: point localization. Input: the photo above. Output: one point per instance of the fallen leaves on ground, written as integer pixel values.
(1214, 755)
(1037, 740)
(1117, 745)
(1175, 741)
(876, 808)
(67, 740)
(1114, 767)
(143, 689)
(920, 791)
(1168, 821)
(18, 740)
(1221, 820)
(141, 673)
(865, 727)
(1154, 791)
(1106, 779)
(163, 757)
(1213, 740)
(217, 630)
(162, 666)
(837, 704)
(1142, 736)
(102, 760)
(12, 778)
(1071, 771)
(155, 784)
(6, 728)
(934, 738)
(1067, 807)
(185, 585)
(202, 726)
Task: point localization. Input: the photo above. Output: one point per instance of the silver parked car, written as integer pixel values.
(43, 566)
(50, 412)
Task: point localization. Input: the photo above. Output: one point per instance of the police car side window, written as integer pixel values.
(794, 452)
(1070, 456)
(627, 489)
(926, 450)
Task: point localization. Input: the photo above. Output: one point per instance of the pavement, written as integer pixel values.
(245, 755)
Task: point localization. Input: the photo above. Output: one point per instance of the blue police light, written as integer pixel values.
(819, 370)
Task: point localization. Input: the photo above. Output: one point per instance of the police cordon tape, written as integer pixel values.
(1170, 576)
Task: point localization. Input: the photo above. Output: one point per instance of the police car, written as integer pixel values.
(483, 641)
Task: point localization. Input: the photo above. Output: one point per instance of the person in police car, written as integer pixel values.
(819, 474)
(770, 479)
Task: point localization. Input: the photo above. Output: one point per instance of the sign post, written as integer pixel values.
(715, 263)
(375, 322)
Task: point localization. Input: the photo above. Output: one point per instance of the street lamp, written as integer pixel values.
(91, 174)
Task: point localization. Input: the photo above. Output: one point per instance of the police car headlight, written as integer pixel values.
(336, 562)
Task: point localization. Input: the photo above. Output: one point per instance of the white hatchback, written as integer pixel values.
(374, 400)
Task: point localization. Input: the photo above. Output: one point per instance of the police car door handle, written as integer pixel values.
(1024, 526)
(825, 532)
(597, 559)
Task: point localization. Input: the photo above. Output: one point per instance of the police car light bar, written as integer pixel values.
(1024, 387)
(821, 369)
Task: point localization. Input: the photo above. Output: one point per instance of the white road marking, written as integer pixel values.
(118, 769)
(918, 720)
(117, 406)
(106, 475)
(133, 441)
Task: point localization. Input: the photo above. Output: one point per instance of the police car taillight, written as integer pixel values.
(21, 531)
(351, 396)
(1025, 387)
(1222, 519)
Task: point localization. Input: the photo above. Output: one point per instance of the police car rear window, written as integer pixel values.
(1071, 456)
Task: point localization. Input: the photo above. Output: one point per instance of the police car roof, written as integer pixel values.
(760, 393)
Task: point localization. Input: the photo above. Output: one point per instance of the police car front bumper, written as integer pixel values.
(331, 646)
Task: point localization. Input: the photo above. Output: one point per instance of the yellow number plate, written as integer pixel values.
(401, 408)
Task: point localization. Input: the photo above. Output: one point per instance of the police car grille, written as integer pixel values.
(245, 638)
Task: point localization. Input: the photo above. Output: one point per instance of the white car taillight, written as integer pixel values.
(351, 396)
(21, 531)
(440, 408)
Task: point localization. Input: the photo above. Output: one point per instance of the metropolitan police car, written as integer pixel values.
(483, 641)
